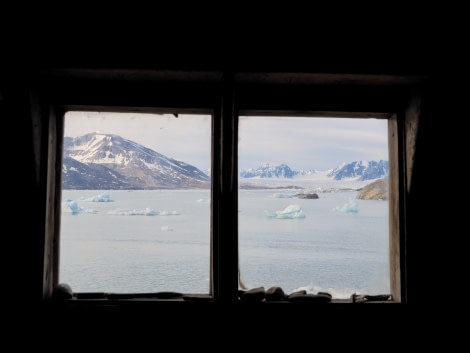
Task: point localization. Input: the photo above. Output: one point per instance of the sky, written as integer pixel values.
(302, 143)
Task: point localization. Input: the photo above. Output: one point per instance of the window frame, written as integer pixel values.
(226, 96)
(394, 235)
(348, 101)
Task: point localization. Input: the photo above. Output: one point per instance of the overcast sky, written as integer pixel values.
(301, 143)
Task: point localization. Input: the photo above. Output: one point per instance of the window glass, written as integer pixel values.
(136, 196)
(305, 219)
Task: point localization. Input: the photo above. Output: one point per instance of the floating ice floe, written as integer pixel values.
(166, 228)
(144, 212)
(291, 211)
(125, 212)
(350, 207)
(168, 213)
(104, 197)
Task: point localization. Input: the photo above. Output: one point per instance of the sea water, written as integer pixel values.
(150, 241)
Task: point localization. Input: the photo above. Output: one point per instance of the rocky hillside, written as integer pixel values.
(110, 162)
(377, 190)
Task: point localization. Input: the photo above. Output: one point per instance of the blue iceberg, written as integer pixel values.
(350, 207)
(70, 206)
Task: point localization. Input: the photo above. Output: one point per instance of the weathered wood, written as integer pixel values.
(394, 139)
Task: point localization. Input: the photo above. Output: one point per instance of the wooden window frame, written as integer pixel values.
(227, 96)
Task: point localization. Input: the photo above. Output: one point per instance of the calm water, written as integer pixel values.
(148, 241)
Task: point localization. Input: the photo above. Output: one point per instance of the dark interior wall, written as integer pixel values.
(21, 178)
(441, 145)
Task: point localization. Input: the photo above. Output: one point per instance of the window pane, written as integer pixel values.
(136, 203)
(303, 223)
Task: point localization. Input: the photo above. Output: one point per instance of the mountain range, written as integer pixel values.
(359, 170)
(98, 161)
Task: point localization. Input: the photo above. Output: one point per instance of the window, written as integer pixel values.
(135, 204)
(302, 223)
(218, 242)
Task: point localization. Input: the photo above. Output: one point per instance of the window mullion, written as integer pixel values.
(227, 280)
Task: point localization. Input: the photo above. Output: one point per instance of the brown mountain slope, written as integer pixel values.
(377, 190)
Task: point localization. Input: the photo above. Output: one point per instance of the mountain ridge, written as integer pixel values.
(124, 164)
(360, 170)
(111, 162)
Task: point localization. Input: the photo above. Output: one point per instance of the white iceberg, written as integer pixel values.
(290, 212)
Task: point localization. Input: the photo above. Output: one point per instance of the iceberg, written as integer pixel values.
(281, 195)
(350, 207)
(290, 212)
(104, 197)
(70, 206)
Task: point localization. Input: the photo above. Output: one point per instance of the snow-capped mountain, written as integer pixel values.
(269, 171)
(359, 170)
(110, 162)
